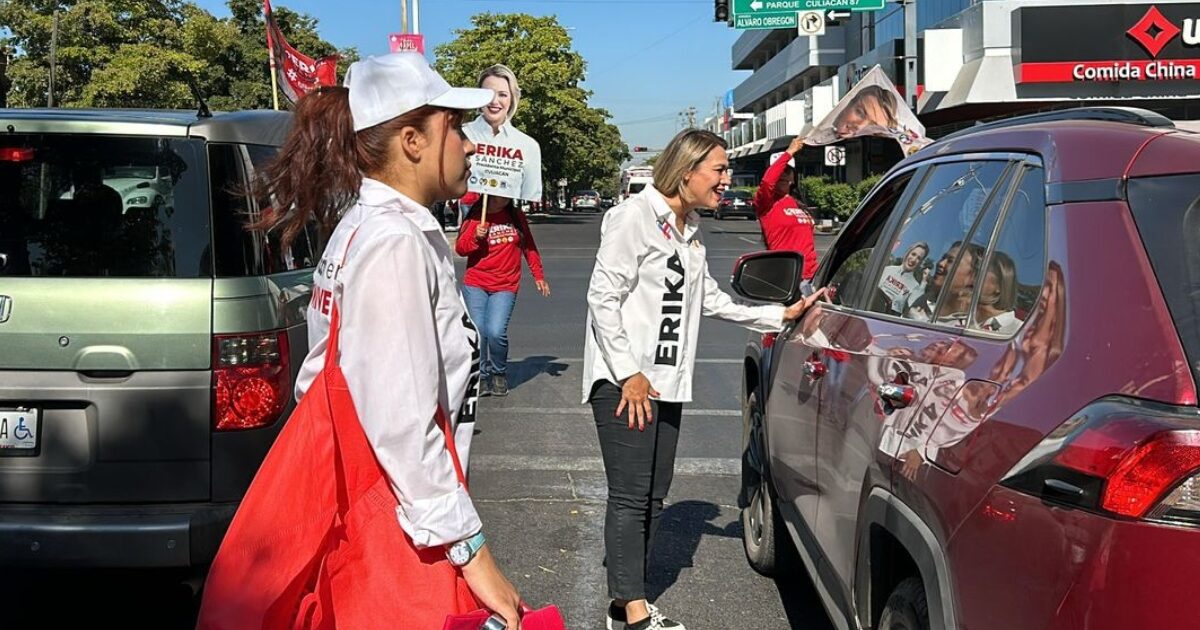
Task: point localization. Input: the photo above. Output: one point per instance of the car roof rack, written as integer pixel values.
(1127, 115)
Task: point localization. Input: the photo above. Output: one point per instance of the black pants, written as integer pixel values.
(639, 466)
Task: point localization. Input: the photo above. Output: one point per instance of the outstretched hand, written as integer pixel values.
(798, 309)
(795, 146)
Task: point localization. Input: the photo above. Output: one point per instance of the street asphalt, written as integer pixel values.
(538, 483)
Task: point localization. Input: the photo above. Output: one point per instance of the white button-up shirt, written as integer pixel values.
(407, 346)
(481, 133)
(648, 290)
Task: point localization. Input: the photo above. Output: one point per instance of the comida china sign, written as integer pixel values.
(1103, 43)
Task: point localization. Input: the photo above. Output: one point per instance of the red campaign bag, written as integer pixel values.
(316, 544)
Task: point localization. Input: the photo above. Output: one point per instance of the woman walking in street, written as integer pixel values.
(494, 244)
(786, 224)
(495, 237)
(648, 290)
(400, 543)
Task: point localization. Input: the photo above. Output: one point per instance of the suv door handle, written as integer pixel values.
(897, 395)
(814, 368)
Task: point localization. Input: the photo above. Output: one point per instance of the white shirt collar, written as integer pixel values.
(664, 213)
(485, 130)
(376, 194)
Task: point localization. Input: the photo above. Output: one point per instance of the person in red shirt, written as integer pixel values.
(493, 244)
(786, 224)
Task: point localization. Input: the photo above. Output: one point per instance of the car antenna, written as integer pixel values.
(204, 112)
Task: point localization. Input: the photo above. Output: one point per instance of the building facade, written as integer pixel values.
(977, 60)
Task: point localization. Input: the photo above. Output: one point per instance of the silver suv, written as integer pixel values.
(149, 342)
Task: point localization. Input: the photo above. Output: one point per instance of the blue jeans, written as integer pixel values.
(491, 312)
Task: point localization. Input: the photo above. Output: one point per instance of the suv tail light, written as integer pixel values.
(16, 154)
(251, 380)
(1120, 457)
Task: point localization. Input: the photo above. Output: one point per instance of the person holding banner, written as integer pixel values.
(649, 288)
(786, 224)
(359, 515)
(495, 234)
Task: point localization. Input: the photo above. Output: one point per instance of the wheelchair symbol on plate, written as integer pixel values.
(22, 432)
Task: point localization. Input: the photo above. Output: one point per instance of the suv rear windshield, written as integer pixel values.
(93, 205)
(1167, 213)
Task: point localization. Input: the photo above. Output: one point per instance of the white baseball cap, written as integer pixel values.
(384, 87)
(774, 158)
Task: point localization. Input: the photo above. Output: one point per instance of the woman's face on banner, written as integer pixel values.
(865, 110)
(496, 112)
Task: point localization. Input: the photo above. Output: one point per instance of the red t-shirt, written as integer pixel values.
(494, 263)
(785, 224)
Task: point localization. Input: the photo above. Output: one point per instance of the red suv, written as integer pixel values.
(993, 423)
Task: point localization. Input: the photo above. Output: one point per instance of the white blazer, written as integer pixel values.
(648, 290)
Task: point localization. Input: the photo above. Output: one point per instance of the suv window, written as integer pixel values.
(1016, 265)
(929, 275)
(852, 253)
(1167, 213)
(91, 205)
(240, 252)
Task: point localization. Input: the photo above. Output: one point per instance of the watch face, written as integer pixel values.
(459, 554)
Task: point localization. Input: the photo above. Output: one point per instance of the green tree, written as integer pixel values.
(578, 143)
(144, 53)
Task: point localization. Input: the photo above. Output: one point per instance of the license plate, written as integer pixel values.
(19, 436)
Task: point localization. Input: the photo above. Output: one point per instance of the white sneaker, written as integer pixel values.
(656, 621)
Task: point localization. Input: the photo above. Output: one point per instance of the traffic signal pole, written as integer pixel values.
(910, 53)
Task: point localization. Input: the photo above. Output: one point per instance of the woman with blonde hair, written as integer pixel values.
(495, 237)
(996, 311)
(649, 287)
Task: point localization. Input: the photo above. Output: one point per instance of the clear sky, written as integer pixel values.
(647, 59)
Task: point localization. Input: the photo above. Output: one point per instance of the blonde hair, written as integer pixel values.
(683, 155)
(504, 72)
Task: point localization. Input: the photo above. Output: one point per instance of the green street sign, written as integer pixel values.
(778, 7)
(766, 20)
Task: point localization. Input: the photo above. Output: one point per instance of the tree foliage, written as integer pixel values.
(144, 53)
(578, 143)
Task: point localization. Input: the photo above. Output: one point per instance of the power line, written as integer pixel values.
(621, 62)
(659, 118)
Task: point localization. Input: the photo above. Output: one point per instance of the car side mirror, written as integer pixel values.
(769, 276)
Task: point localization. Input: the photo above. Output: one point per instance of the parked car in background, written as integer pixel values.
(993, 422)
(150, 342)
(585, 200)
(735, 203)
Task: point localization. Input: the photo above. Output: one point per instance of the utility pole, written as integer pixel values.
(53, 60)
(910, 53)
(403, 16)
(416, 22)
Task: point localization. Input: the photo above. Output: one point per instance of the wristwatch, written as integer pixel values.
(463, 551)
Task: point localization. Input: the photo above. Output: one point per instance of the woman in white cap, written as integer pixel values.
(367, 161)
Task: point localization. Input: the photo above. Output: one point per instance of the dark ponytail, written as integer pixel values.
(320, 166)
(315, 175)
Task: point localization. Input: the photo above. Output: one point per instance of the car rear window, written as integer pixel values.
(103, 206)
(1167, 213)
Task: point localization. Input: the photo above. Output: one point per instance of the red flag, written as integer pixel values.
(298, 74)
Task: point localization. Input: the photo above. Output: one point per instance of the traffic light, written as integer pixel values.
(721, 11)
(640, 149)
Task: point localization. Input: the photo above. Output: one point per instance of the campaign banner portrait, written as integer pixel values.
(507, 164)
(873, 108)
